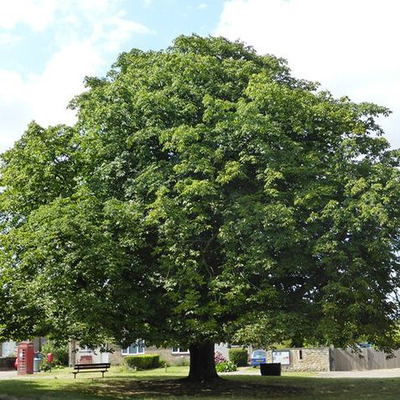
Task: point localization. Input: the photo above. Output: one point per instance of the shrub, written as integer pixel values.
(226, 366)
(45, 365)
(182, 362)
(164, 362)
(238, 357)
(219, 358)
(60, 353)
(147, 361)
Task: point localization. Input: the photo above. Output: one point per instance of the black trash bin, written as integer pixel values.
(271, 369)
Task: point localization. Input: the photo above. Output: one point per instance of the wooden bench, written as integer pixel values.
(97, 367)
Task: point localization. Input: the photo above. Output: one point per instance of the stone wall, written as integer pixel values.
(303, 360)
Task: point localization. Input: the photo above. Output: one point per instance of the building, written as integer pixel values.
(116, 354)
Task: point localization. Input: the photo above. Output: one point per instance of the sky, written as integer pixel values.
(47, 47)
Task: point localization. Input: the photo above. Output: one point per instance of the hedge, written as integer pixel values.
(147, 361)
(238, 357)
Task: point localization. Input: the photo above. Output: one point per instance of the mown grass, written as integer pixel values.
(157, 384)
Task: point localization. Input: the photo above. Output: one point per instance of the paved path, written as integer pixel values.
(8, 374)
(373, 373)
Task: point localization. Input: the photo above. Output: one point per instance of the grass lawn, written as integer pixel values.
(157, 384)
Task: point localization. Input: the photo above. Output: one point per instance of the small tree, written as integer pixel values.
(204, 193)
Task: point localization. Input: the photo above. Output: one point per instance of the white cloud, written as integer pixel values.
(147, 3)
(13, 107)
(348, 46)
(117, 29)
(202, 6)
(7, 39)
(11, 88)
(45, 97)
(86, 34)
(37, 14)
(50, 92)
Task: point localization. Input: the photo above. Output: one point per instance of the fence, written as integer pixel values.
(362, 359)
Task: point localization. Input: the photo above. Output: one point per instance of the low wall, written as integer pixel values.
(301, 359)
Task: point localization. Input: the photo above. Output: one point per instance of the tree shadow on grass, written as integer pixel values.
(151, 388)
(181, 388)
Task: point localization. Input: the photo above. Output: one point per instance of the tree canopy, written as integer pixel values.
(204, 195)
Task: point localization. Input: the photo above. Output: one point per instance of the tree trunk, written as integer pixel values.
(202, 364)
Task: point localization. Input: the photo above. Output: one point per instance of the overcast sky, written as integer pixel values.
(48, 46)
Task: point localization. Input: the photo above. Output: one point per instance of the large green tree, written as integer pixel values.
(204, 195)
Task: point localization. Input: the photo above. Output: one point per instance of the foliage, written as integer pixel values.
(204, 195)
(60, 353)
(164, 362)
(219, 357)
(146, 361)
(181, 362)
(226, 366)
(45, 365)
(239, 357)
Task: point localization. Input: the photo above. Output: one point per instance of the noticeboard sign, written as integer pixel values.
(282, 357)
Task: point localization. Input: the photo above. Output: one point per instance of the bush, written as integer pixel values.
(182, 362)
(45, 365)
(219, 358)
(238, 357)
(227, 366)
(147, 361)
(164, 362)
(60, 354)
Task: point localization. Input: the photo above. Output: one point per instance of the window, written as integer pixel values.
(85, 349)
(300, 354)
(179, 350)
(135, 348)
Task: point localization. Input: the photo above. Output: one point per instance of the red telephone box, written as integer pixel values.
(25, 358)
